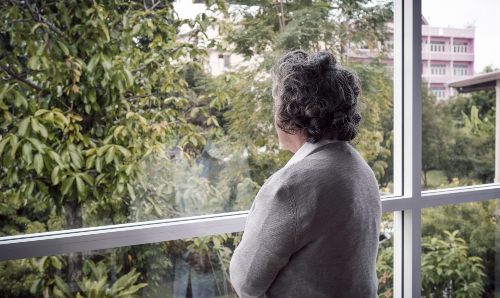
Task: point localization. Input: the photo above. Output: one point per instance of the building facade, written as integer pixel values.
(447, 55)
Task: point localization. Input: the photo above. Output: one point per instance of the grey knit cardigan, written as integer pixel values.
(312, 230)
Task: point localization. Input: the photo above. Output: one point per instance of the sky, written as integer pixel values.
(484, 14)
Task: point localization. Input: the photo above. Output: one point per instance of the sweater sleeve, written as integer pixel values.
(267, 243)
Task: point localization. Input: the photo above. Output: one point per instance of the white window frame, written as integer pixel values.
(406, 202)
(438, 69)
(227, 60)
(437, 46)
(460, 69)
(460, 46)
(439, 92)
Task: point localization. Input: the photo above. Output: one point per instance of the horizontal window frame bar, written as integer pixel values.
(105, 237)
(90, 240)
(132, 225)
(459, 195)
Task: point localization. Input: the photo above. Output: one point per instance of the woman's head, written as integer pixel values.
(315, 97)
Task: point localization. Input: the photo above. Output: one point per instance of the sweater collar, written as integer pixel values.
(306, 149)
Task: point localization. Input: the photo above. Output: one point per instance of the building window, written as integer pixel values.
(227, 60)
(460, 70)
(437, 46)
(439, 92)
(438, 69)
(460, 47)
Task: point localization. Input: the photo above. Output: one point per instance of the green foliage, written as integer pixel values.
(478, 225)
(310, 25)
(94, 283)
(17, 278)
(458, 137)
(92, 93)
(385, 268)
(77, 130)
(448, 270)
(47, 279)
(472, 139)
(375, 141)
(449, 267)
(435, 133)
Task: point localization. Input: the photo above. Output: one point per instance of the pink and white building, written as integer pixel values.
(447, 55)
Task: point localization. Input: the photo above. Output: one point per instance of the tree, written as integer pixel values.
(458, 137)
(448, 270)
(436, 132)
(477, 224)
(310, 26)
(470, 154)
(93, 283)
(87, 96)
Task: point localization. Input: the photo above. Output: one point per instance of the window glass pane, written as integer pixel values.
(197, 267)
(385, 257)
(460, 69)
(123, 111)
(458, 93)
(460, 250)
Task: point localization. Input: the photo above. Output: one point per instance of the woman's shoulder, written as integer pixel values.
(340, 168)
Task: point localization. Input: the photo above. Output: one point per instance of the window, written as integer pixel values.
(439, 92)
(123, 160)
(458, 126)
(438, 69)
(460, 47)
(169, 149)
(460, 69)
(459, 239)
(194, 267)
(227, 60)
(437, 46)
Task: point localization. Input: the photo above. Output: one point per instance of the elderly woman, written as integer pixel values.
(313, 228)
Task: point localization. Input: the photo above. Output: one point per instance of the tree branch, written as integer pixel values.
(155, 5)
(16, 76)
(41, 19)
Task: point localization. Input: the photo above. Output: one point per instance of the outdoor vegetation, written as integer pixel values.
(108, 115)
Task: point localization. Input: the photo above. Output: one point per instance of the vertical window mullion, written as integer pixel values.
(412, 115)
(407, 147)
(398, 153)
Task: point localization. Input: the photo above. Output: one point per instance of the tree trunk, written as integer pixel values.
(74, 221)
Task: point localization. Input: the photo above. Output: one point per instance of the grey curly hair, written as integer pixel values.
(314, 94)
